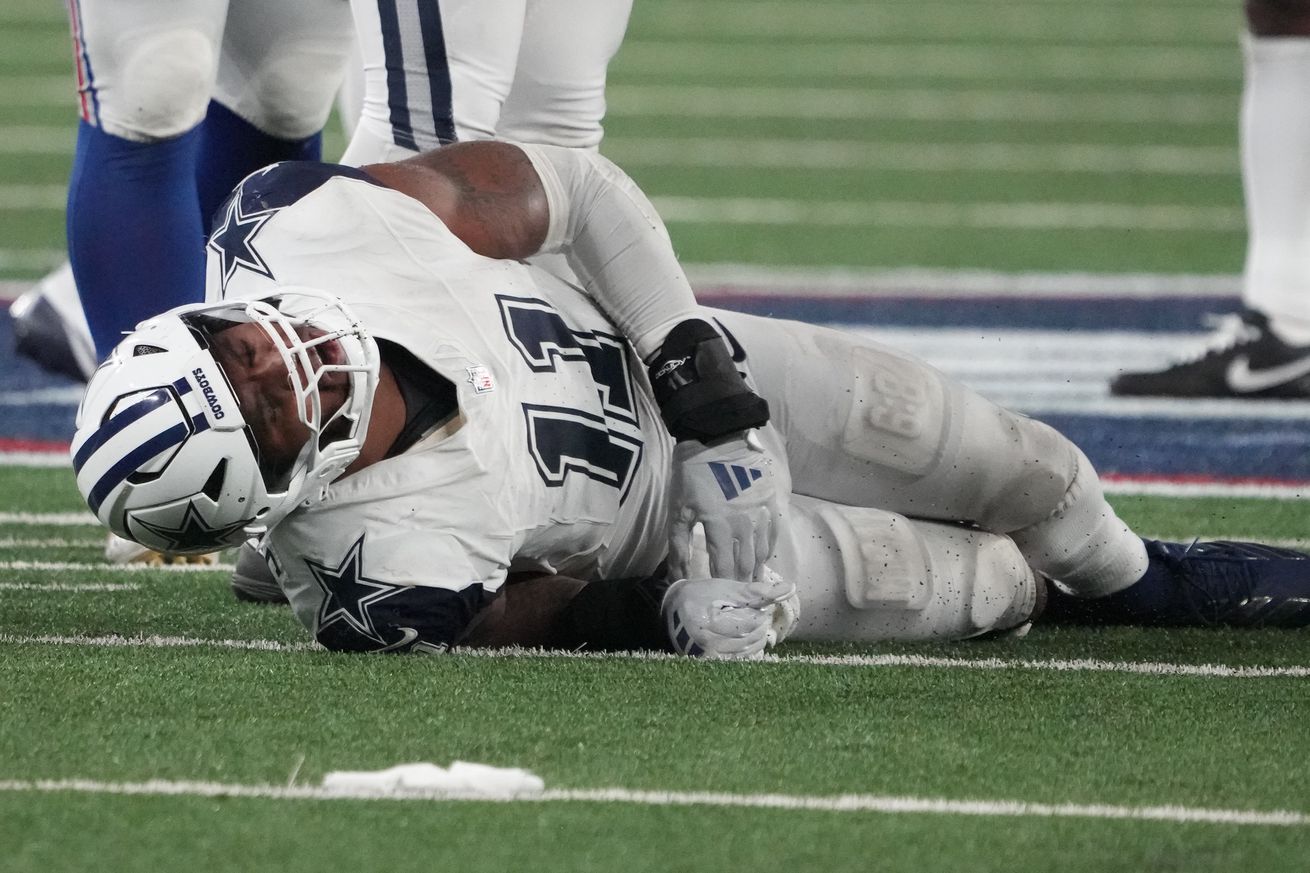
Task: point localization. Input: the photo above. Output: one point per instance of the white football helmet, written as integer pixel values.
(162, 452)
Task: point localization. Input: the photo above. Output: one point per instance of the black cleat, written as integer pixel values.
(1242, 359)
(1230, 584)
(43, 335)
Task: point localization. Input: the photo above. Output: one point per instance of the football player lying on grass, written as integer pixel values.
(406, 413)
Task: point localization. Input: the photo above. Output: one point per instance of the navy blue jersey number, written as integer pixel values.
(604, 448)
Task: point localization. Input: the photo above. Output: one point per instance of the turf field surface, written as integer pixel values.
(1060, 180)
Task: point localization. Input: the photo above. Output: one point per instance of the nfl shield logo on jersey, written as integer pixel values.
(483, 382)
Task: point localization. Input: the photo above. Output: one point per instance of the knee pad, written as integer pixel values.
(898, 578)
(288, 94)
(163, 86)
(955, 454)
(1083, 544)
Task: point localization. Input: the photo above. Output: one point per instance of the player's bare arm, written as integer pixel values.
(487, 193)
(504, 200)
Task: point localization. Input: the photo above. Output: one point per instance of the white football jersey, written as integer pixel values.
(560, 459)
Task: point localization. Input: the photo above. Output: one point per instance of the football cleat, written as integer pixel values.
(1242, 358)
(55, 337)
(252, 580)
(123, 551)
(1232, 584)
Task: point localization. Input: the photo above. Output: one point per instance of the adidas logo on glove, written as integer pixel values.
(734, 478)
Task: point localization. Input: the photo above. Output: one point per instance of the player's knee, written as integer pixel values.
(163, 87)
(1278, 17)
(288, 95)
(947, 581)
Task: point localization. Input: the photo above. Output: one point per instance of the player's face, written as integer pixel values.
(264, 389)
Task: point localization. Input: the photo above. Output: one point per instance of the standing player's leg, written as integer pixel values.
(558, 93)
(435, 71)
(1265, 350)
(280, 67)
(145, 71)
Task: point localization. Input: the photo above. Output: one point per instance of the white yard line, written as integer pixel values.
(993, 216)
(67, 566)
(51, 543)
(845, 155)
(956, 105)
(871, 155)
(69, 586)
(1080, 665)
(849, 803)
(754, 280)
(54, 519)
(861, 213)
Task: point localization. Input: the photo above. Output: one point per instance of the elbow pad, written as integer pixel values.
(700, 392)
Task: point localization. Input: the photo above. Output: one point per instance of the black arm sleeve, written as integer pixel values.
(618, 615)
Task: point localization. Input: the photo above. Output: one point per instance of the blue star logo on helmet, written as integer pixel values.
(192, 534)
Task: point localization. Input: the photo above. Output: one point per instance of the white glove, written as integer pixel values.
(724, 618)
(731, 490)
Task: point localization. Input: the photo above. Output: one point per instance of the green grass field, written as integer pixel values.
(1029, 135)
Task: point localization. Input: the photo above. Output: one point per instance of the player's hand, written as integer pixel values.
(731, 489)
(727, 619)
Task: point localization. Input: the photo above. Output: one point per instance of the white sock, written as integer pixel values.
(1275, 141)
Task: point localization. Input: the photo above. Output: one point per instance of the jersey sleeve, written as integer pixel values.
(384, 591)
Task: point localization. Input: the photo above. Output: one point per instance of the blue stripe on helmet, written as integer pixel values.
(182, 386)
(118, 424)
(129, 463)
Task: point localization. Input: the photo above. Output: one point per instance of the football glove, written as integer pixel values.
(730, 489)
(727, 619)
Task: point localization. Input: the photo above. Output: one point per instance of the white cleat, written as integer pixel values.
(252, 580)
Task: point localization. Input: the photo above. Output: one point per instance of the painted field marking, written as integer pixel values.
(871, 155)
(67, 566)
(845, 155)
(851, 213)
(754, 280)
(956, 105)
(1079, 665)
(998, 22)
(995, 216)
(811, 803)
(54, 519)
(69, 586)
(51, 543)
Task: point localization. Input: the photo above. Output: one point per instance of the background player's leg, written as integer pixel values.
(558, 93)
(434, 72)
(1264, 351)
(280, 68)
(145, 71)
(1275, 136)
